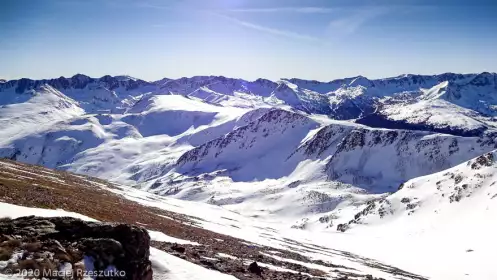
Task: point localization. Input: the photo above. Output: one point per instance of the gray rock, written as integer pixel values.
(125, 247)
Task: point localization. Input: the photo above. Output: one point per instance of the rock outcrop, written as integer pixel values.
(72, 248)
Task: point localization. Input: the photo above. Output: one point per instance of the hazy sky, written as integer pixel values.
(312, 39)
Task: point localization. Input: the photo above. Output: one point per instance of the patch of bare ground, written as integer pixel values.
(35, 186)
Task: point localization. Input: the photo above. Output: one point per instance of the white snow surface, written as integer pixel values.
(12, 211)
(161, 237)
(169, 267)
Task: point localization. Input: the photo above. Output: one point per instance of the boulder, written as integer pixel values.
(255, 269)
(69, 242)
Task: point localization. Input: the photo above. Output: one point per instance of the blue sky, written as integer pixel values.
(312, 39)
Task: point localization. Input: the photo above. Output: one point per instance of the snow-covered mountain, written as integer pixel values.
(23, 114)
(464, 106)
(312, 155)
(186, 136)
(93, 95)
(171, 135)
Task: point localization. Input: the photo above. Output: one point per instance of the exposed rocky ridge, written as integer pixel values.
(352, 153)
(274, 123)
(110, 94)
(347, 107)
(64, 246)
(326, 138)
(479, 94)
(405, 155)
(300, 99)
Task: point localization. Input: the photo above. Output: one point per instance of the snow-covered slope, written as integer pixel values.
(452, 211)
(446, 198)
(115, 146)
(403, 155)
(478, 94)
(249, 152)
(22, 114)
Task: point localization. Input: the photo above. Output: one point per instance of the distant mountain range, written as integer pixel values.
(371, 102)
(305, 148)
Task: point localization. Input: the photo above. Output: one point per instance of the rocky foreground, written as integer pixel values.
(68, 248)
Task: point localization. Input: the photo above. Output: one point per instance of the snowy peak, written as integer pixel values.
(109, 94)
(186, 85)
(161, 82)
(78, 81)
(250, 152)
(361, 81)
(484, 79)
(449, 103)
(436, 92)
(42, 95)
(385, 86)
(316, 86)
(219, 85)
(480, 85)
(478, 94)
(286, 94)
